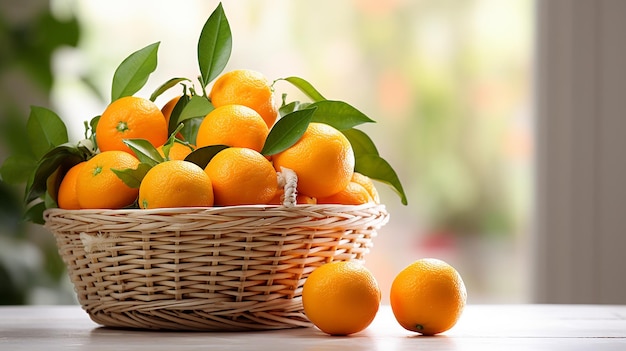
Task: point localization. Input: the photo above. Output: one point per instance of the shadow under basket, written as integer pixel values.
(210, 269)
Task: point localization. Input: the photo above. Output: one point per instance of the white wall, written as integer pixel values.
(580, 237)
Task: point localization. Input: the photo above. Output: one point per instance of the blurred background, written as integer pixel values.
(448, 82)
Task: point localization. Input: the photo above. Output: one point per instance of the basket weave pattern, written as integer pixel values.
(223, 268)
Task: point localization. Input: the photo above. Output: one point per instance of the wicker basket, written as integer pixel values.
(213, 269)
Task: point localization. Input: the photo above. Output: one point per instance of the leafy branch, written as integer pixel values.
(51, 154)
(345, 117)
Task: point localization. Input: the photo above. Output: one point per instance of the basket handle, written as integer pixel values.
(288, 180)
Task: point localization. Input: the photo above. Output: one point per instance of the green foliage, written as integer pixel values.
(60, 158)
(45, 130)
(338, 114)
(191, 115)
(31, 45)
(132, 74)
(133, 177)
(203, 155)
(214, 46)
(305, 87)
(166, 86)
(52, 156)
(369, 162)
(145, 152)
(287, 131)
(17, 168)
(344, 117)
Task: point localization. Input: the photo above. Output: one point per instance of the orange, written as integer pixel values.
(175, 183)
(97, 186)
(241, 176)
(367, 183)
(428, 296)
(67, 198)
(233, 125)
(178, 151)
(352, 194)
(323, 160)
(130, 117)
(245, 87)
(341, 297)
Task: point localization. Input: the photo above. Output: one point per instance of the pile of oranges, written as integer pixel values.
(244, 113)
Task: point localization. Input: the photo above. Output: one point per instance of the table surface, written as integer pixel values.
(481, 327)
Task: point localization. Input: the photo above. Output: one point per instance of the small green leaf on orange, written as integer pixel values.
(287, 131)
(133, 177)
(202, 156)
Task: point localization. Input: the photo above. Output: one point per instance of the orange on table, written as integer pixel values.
(367, 183)
(246, 87)
(428, 296)
(175, 183)
(97, 186)
(130, 117)
(341, 297)
(178, 151)
(233, 125)
(67, 198)
(242, 176)
(352, 194)
(323, 160)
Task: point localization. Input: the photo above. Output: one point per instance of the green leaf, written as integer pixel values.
(190, 129)
(165, 86)
(192, 115)
(214, 46)
(132, 74)
(368, 162)
(198, 106)
(287, 131)
(377, 168)
(65, 156)
(361, 142)
(167, 146)
(172, 137)
(291, 107)
(49, 201)
(338, 114)
(133, 177)
(203, 155)
(35, 213)
(45, 130)
(305, 87)
(166, 150)
(16, 169)
(90, 127)
(90, 131)
(93, 124)
(176, 112)
(145, 152)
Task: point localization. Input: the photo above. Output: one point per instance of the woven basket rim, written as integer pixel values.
(271, 209)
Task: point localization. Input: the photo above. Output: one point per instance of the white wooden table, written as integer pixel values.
(482, 327)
